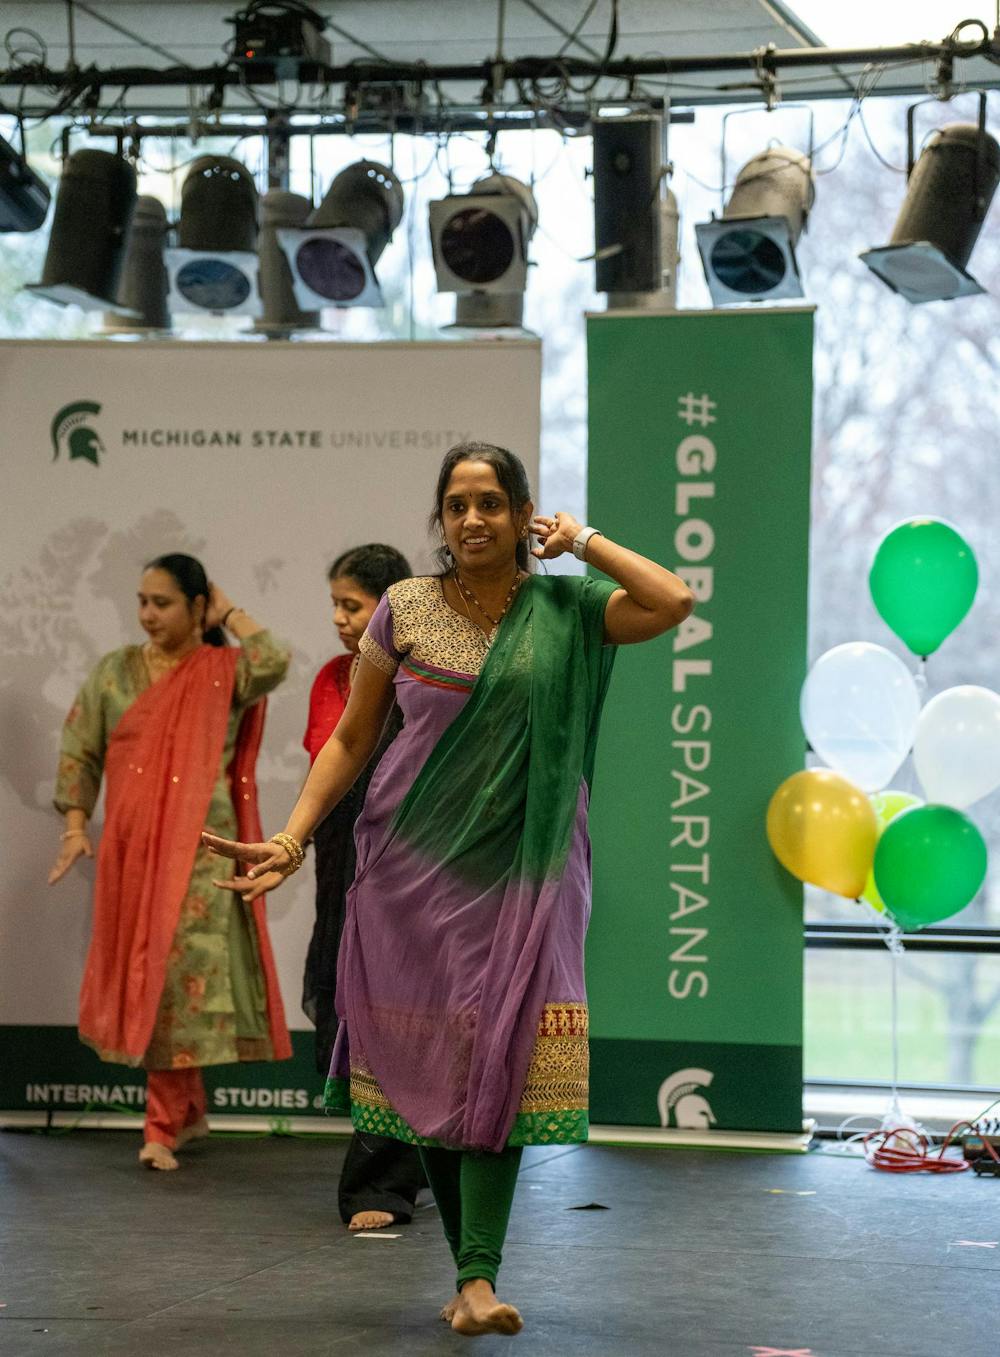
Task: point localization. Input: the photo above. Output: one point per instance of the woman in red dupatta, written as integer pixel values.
(460, 982)
(179, 974)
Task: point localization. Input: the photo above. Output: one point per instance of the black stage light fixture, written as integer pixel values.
(628, 226)
(24, 197)
(214, 266)
(749, 253)
(281, 210)
(479, 241)
(280, 34)
(332, 260)
(143, 288)
(94, 206)
(949, 193)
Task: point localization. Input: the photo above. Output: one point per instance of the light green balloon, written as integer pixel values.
(886, 805)
(923, 581)
(929, 863)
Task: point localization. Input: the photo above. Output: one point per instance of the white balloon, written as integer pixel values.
(859, 710)
(956, 749)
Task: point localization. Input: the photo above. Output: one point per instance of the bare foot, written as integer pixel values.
(157, 1156)
(196, 1131)
(448, 1313)
(371, 1220)
(478, 1312)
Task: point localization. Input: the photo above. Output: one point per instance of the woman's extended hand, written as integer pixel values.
(555, 535)
(266, 857)
(72, 847)
(251, 888)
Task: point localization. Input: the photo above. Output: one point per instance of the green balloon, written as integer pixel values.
(929, 863)
(923, 581)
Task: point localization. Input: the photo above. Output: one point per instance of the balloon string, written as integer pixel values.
(894, 1020)
(894, 942)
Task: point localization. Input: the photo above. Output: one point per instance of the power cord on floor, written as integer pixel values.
(901, 1149)
(898, 1148)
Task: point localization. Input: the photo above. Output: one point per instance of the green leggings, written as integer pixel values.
(473, 1192)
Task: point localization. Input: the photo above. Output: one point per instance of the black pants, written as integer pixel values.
(379, 1174)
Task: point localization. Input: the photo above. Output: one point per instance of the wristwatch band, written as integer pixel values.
(581, 539)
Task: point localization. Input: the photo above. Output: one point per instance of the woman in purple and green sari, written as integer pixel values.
(460, 981)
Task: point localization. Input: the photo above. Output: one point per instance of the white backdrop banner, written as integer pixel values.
(266, 461)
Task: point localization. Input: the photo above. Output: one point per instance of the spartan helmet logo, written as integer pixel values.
(679, 1095)
(72, 432)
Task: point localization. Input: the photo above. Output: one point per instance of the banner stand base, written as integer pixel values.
(118, 1121)
(766, 1142)
(683, 1138)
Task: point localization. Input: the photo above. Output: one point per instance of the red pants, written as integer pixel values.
(175, 1099)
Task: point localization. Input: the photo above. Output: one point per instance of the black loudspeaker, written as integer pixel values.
(627, 170)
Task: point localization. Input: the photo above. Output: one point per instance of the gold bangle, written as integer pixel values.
(72, 833)
(296, 853)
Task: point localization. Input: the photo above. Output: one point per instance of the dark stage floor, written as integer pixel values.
(700, 1255)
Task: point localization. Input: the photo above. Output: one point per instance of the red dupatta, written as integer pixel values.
(160, 768)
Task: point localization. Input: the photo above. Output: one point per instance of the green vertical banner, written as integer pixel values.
(700, 458)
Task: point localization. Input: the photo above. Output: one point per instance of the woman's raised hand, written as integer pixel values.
(73, 846)
(265, 857)
(555, 535)
(219, 603)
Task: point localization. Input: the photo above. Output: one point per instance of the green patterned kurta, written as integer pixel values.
(213, 1008)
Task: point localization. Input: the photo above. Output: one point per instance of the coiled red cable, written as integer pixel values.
(901, 1149)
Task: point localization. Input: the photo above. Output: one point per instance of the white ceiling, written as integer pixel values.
(194, 32)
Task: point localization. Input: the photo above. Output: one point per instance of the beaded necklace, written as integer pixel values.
(469, 597)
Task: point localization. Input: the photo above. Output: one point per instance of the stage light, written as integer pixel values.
(94, 206)
(949, 193)
(332, 260)
(281, 210)
(479, 242)
(24, 197)
(214, 266)
(749, 253)
(143, 288)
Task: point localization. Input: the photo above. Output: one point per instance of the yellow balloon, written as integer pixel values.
(886, 805)
(823, 829)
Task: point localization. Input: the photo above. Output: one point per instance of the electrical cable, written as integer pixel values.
(913, 1155)
(609, 50)
(902, 1149)
(867, 82)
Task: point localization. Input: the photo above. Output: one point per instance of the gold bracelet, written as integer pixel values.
(72, 833)
(296, 853)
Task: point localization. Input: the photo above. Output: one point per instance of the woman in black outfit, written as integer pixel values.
(381, 1177)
